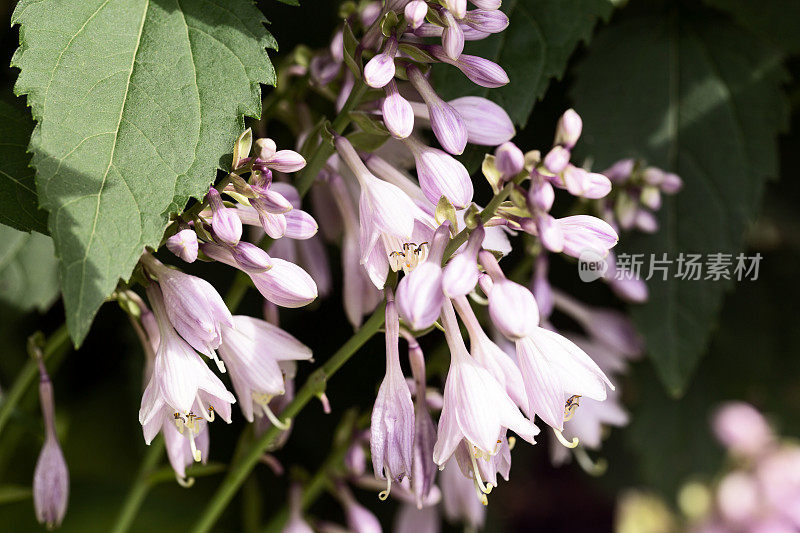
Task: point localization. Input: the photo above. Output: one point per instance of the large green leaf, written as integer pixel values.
(692, 93)
(775, 21)
(28, 270)
(136, 101)
(535, 47)
(19, 207)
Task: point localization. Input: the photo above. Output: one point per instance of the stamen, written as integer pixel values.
(571, 406)
(283, 426)
(477, 477)
(220, 364)
(382, 495)
(565, 442)
(208, 415)
(512, 441)
(481, 496)
(592, 468)
(184, 482)
(195, 452)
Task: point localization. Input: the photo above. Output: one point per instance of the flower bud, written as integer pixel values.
(487, 123)
(285, 284)
(300, 225)
(550, 233)
(487, 4)
(266, 148)
(446, 123)
(620, 171)
(672, 183)
(568, 130)
(415, 13)
(487, 20)
(509, 159)
(479, 70)
(557, 159)
(251, 258)
(398, 115)
(742, 429)
(584, 232)
(419, 295)
(646, 221)
(380, 69)
(286, 161)
(452, 37)
(650, 197)
(627, 286)
(226, 223)
(541, 288)
(512, 307)
(541, 194)
(271, 201)
(456, 7)
(461, 274)
(184, 245)
(441, 175)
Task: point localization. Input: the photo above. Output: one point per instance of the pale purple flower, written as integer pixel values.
(620, 171)
(568, 129)
(490, 356)
(541, 288)
(296, 523)
(580, 182)
(554, 369)
(423, 473)
(487, 4)
(557, 159)
(179, 449)
(585, 232)
(627, 286)
(419, 293)
(359, 518)
(251, 258)
(398, 115)
(380, 69)
(392, 425)
(415, 12)
(742, 429)
(460, 275)
(479, 70)
(509, 159)
(487, 123)
(591, 417)
(440, 174)
(51, 475)
(646, 221)
(671, 183)
(182, 388)
(447, 124)
(285, 284)
(650, 197)
(738, 498)
(458, 498)
(280, 160)
(389, 220)
(550, 233)
(486, 20)
(452, 36)
(194, 307)
(477, 410)
(252, 349)
(512, 307)
(457, 7)
(541, 194)
(226, 224)
(184, 245)
(779, 478)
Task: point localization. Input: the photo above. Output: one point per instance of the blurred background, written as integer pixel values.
(725, 74)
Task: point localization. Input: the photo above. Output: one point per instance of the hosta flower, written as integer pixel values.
(447, 125)
(569, 128)
(194, 307)
(486, 20)
(226, 225)
(51, 476)
(582, 233)
(410, 519)
(184, 245)
(480, 71)
(509, 159)
(380, 69)
(419, 293)
(280, 160)
(415, 13)
(440, 174)
(487, 123)
(460, 275)
(452, 36)
(182, 388)
(398, 115)
(554, 370)
(392, 426)
(252, 350)
(742, 429)
(512, 307)
(180, 450)
(394, 231)
(458, 498)
(476, 408)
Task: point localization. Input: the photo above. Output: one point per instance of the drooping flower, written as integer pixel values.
(419, 293)
(460, 275)
(380, 69)
(448, 126)
(252, 350)
(392, 426)
(440, 174)
(458, 498)
(512, 307)
(584, 232)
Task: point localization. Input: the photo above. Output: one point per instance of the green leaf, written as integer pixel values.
(28, 270)
(775, 21)
(691, 93)
(19, 206)
(535, 47)
(136, 102)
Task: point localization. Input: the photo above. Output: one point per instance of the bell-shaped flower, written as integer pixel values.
(447, 125)
(487, 123)
(252, 349)
(419, 293)
(380, 69)
(591, 418)
(490, 356)
(440, 174)
(389, 221)
(184, 245)
(584, 232)
(182, 388)
(460, 275)
(554, 371)
(51, 476)
(477, 410)
(284, 284)
(226, 225)
(194, 307)
(479, 70)
(398, 115)
(512, 307)
(392, 426)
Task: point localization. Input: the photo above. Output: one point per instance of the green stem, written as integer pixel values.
(324, 150)
(57, 341)
(234, 296)
(313, 386)
(139, 488)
